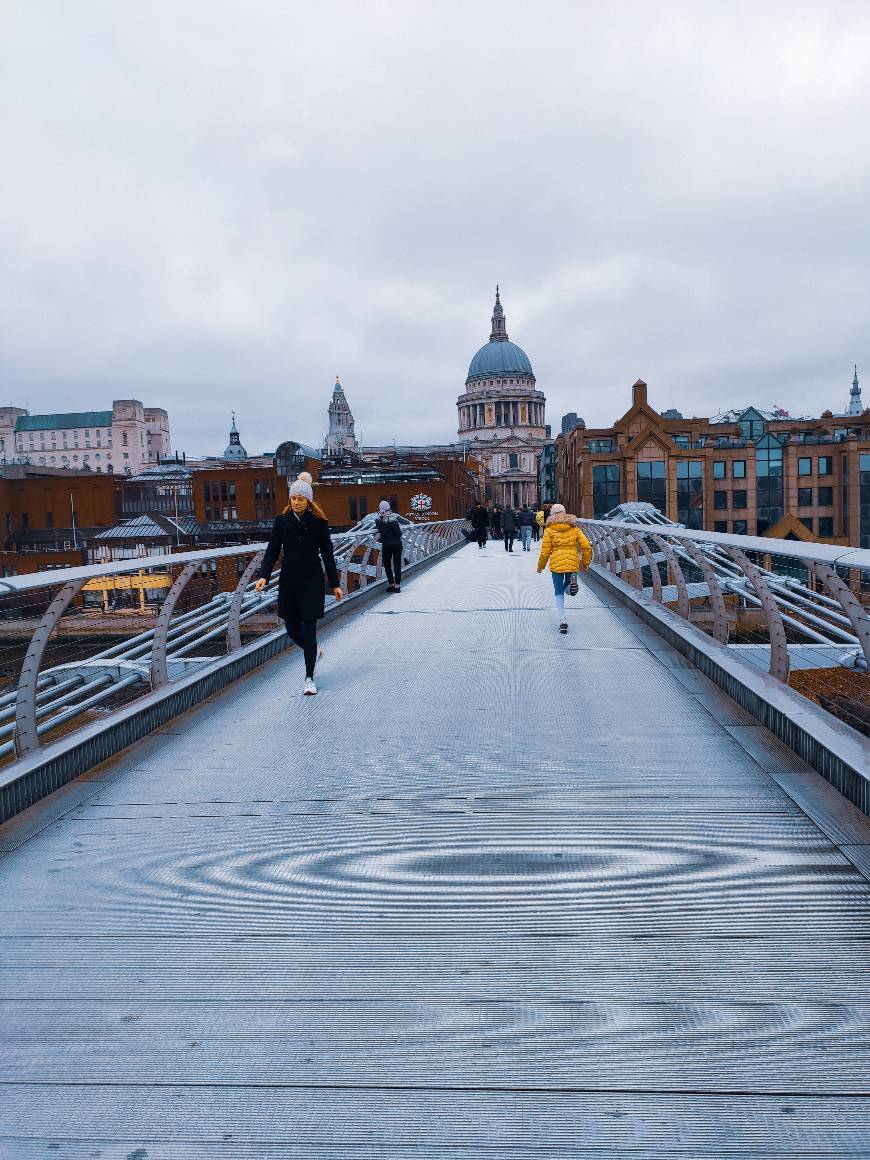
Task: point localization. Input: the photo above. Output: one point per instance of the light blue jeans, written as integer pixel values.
(561, 580)
(527, 538)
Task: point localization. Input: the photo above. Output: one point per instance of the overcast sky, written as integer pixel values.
(216, 205)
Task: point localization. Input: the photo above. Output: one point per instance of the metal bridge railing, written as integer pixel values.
(800, 605)
(79, 643)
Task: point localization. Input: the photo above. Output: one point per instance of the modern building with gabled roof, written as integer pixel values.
(747, 471)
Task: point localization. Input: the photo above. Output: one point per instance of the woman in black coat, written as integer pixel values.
(301, 533)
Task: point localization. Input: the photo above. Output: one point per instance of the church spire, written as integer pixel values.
(234, 449)
(855, 406)
(499, 326)
(341, 435)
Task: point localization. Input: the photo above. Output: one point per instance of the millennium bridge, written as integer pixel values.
(493, 893)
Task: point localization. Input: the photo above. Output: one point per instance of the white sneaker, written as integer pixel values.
(309, 688)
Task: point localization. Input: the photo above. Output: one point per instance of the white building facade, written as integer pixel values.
(117, 442)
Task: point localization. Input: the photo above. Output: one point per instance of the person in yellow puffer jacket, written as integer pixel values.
(567, 550)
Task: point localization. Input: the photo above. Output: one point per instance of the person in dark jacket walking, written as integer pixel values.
(495, 522)
(390, 531)
(527, 524)
(509, 528)
(479, 518)
(301, 535)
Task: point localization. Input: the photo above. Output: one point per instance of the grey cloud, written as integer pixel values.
(217, 206)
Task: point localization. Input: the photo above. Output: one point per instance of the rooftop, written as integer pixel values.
(66, 420)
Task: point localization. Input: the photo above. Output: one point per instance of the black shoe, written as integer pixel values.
(563, 628)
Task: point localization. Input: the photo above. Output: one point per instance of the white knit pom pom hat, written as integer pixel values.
(302, 486)
(558, 509)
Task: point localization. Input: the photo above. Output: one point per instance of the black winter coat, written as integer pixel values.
(509, 521)
(303, 542)
(479, 517)
(390, 532)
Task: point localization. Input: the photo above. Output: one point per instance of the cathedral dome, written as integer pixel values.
(498, 359)
(500, 356)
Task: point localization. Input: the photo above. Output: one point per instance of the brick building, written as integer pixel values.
(421, 489)
(48, 516)
(748, 472)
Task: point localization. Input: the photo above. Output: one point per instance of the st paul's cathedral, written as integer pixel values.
(501, 417)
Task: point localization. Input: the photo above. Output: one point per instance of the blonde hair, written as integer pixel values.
(315, 507)
(303, 486)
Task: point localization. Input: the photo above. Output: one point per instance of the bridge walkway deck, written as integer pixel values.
(494, 893)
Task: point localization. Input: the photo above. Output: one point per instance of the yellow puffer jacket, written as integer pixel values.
(564, 545)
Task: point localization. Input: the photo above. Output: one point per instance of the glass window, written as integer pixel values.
(739, 527)
(738, 468)
(805, 497)
(363, 506)
(353, 514)
(651, 484)
(826, 465)
(738, 499)
(807, 521)
(513, 460)
(768, 471)
(864, 500)
(826, 497)
(605, 488)
(690, 492)
(720, 500)
(826, 525)
(718, 468)
(805, 466)
(720, 525)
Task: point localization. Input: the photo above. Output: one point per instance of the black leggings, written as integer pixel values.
(481, 536)
(392, 554)
(304, 634)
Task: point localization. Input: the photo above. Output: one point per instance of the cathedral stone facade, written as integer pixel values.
(502, 418)
(341, 438)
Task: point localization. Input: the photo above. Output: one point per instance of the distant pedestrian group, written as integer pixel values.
(505, 524)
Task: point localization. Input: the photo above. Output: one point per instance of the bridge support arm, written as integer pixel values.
(858, 618)
(159, 667)
(234, 633)
(779, 658)
(25, 736)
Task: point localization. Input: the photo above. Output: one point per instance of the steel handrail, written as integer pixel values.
(46, 698)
